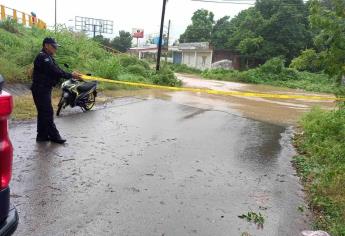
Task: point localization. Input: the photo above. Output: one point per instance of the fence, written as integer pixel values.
(21, 17)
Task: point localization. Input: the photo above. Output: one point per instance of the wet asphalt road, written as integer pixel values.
(155, 167)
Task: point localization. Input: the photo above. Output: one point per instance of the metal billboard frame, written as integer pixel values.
(88, 24)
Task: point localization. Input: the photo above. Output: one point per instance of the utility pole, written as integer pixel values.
(161, 36)
(138, 48)
(55, 18)
(94, 29)
(166, 54)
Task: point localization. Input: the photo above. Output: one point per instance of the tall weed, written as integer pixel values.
(322, 166)
(273, 72)
(18, 51)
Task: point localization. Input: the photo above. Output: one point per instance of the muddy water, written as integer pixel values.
(276, 111)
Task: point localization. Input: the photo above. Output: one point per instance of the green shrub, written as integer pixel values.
(322, 166)
(137, 70)
(10, 25)
(126, 61)
(308, 61)
(222, 74)
(11, 71)
(273, 66)
(18, 51)
(165, 76)
(108, 69)
(273, 72)
(182, 68)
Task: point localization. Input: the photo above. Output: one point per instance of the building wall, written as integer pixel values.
(188, 59)
(204, 60)
(177, 57)
(201, 60)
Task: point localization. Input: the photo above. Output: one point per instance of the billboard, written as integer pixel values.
(138, 33)
(93, 25)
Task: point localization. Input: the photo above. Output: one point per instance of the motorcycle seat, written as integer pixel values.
(86, 86)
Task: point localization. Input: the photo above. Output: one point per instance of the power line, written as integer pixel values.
(242, 2)
(253, 1)
(227, 2)
(237, 1)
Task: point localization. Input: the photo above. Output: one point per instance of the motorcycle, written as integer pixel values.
(77, 93)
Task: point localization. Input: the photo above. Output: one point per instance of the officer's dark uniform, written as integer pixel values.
(46, 75)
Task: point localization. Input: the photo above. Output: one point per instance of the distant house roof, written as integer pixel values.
(194, 46)
(149, 48)
(174, 48)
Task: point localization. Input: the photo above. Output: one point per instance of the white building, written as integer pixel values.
(196, 55)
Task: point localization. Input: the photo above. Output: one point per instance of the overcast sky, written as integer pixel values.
(126, 14)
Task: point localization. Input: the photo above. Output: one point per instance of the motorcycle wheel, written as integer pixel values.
(60, 105)
(90, 102)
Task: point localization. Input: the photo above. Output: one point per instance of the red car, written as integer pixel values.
(8, 213)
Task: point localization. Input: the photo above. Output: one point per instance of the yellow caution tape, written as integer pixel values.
(217, 92)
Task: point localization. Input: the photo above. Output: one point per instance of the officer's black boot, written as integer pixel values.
(58, 140)
(42, 139)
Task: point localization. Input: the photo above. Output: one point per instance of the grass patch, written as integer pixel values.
(19, 46)
(321, 165)
(273, 72)
(182, 68)
(24, 108)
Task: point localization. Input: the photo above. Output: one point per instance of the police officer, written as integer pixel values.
(46, 75)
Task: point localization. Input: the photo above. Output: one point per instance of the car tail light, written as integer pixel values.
(6, 149)
(6, 104)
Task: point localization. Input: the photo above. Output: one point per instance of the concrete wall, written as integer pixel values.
(197, 59)
(177, 57)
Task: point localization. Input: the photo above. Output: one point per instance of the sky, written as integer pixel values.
(126, 14)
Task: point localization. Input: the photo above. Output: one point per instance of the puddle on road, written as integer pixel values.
(275, 111)
(197, 82)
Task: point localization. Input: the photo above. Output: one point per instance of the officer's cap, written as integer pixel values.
(50, 41)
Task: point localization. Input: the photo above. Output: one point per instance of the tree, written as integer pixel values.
(328, 17)
(122, 42)
(221, 32)
(245, 36)
(272, 28)
(309, 60)
(100, 39)
(201, 28)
